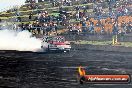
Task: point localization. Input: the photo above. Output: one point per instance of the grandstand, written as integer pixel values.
(60, 16)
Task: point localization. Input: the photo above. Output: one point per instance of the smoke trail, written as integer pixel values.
(18, 40)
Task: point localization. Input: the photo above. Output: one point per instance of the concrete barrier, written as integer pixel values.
(102, 47)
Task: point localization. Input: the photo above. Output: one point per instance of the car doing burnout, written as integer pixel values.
(55, 43)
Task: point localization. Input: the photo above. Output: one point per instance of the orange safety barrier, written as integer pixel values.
(107, 23)
(94, 21)
(102, 21)
(124, 19)
(108, 28)
(97, 29)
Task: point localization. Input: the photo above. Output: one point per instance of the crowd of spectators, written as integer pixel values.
(43, 22)
(46, 22)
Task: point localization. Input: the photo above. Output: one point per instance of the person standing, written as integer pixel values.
(30, 16)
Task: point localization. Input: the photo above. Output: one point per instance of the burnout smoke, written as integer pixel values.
(19, 40)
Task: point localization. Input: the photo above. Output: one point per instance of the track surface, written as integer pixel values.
(33, 70)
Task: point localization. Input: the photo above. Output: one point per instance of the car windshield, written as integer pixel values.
(59, 39)
(47, 39)
(55, 39)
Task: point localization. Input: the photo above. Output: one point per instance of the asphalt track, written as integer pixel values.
(59, 70)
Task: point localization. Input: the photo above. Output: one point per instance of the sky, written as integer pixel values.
(6, 4)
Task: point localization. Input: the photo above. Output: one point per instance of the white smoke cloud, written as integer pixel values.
(8, 4)
(19, 40)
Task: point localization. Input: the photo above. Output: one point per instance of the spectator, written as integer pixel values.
(18, 19)
(77, 16)
(30, 16)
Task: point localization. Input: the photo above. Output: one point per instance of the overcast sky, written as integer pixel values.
(6, 4)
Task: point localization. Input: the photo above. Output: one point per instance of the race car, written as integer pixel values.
(55, 43)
